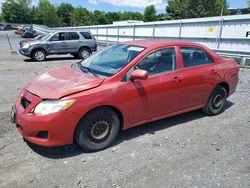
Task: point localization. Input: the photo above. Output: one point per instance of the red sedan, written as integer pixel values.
(120, 87)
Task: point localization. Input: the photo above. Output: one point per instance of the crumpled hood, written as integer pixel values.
(60, 82)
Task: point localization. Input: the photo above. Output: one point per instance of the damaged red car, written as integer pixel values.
(120, 87)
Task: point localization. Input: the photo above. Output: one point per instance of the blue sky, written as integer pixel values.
(133, 5)
(129, 5)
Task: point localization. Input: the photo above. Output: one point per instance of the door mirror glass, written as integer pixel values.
(139, 74)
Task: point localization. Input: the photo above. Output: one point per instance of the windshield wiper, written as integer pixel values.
(87, 69)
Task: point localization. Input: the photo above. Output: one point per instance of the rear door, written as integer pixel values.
(198, 75)
(72, 41)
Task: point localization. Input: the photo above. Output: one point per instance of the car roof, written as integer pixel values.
(159, 43)
(67, 31)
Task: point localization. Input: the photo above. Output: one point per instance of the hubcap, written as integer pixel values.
(85, 54)
(217, 101)
(39, 55)
(99, 129)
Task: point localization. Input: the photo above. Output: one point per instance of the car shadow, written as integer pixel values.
(153, 127)
(149, 128)
(53, 59)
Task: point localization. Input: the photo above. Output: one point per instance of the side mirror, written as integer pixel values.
(139, 74)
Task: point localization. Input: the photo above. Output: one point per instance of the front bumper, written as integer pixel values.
(46, 130)
(25, 52)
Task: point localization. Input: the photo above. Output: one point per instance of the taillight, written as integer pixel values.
(94, 37)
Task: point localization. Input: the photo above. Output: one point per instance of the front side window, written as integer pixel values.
(194, 57)
(58, 37)
(111, 60)
(163, 60)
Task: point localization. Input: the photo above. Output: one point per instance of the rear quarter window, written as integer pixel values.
(86, 35)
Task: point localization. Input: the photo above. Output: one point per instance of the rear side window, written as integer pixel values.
(195, 57)
(72, 36)
(86, 35)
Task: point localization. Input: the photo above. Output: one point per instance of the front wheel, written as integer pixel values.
(216, 101)
(39, 55)
(97, 130)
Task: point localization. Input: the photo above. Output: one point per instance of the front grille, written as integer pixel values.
(43, 134)
(25, 103)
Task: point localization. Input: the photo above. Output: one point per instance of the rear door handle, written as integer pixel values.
(213, 71)
(177, 79)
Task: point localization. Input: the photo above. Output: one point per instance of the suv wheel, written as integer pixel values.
(84, 53)
(39, 55)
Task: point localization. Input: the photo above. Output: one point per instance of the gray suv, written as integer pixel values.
(80, 44)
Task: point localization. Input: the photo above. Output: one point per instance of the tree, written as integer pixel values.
(80, 16)
(1, 17)
(128, 15)
(64, 11)
(181, 9)
(113, 16)
(163, 16)
(238, 11)
(46, 13)
(249, 6)
(17, 11)
(150, 13)
(98, 18)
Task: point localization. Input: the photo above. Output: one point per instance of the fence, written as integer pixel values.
(228, 35)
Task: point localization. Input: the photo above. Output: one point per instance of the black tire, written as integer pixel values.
(84, 53)
(38, 55)
(97, 130)
(216, 101)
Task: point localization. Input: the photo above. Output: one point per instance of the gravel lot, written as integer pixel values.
(189, 150)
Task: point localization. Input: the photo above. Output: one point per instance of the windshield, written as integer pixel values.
(111, 60)
(45, 36)
(39, 37)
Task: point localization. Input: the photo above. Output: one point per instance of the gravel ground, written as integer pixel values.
(189, 150)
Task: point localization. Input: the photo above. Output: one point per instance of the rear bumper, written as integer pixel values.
(52, 130)
(94, 49)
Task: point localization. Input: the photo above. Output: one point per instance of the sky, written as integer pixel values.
(133, 5)
(129, 5)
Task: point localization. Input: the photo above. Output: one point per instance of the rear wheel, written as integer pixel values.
(97, 130)
(216, 101)
(84, 53)
(39, 55)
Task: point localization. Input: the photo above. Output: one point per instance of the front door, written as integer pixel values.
(57, 44)
(156, 96)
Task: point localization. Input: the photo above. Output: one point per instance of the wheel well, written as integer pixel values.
(225, 85)
(116, 110)
(38, 49)
(86, 48)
